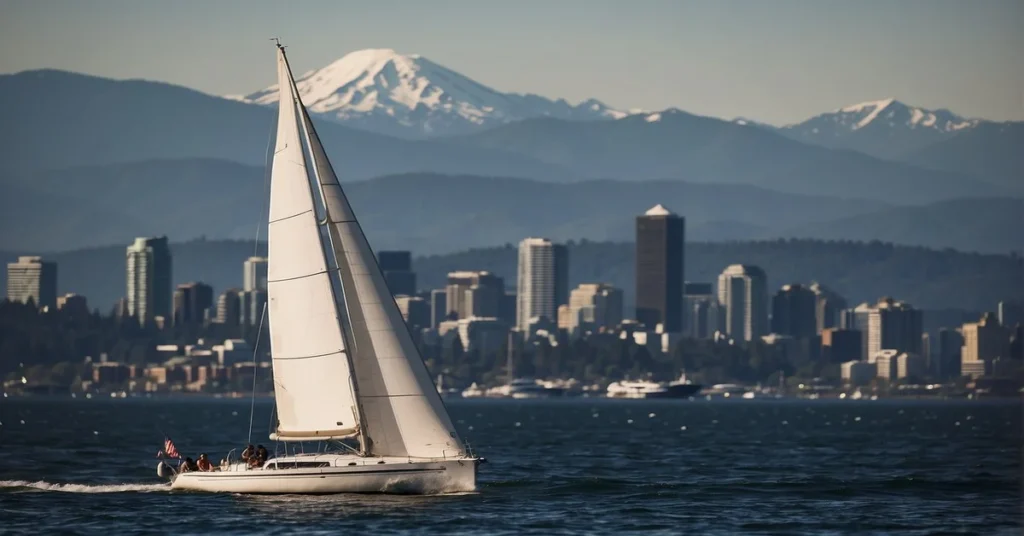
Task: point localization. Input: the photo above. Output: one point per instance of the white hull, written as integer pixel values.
(368, 476)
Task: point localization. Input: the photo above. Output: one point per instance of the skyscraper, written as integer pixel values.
(251, 303)
(32, 278)
(1010, 313)
(701, 310)
(229, 307)
(191, 301)
(149, 279)
(593, 306)
(894, 325)
(793, 312)
(984, 342)
(660, 238)
(398, 274)
(743, 301)
(828, 307)
(473, 293)
(543, 281)
(254, 276)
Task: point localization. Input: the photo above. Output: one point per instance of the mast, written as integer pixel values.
(323, 224)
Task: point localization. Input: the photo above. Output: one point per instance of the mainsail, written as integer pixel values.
(311, 373)
(400, 411)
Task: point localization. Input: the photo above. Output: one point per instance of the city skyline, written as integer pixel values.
(758, 65)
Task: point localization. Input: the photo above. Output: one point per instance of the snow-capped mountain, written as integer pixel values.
(887, 128)
(410, 96)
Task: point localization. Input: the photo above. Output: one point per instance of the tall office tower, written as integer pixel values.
(149, 279)
(229, 307)
(32, 278)
(660, 241)
(254, 274)
(793, 312)
(947, 363)
(1010, 313)
(438, 306)
(743, 301)
(415, 310)
(191, 301)
(250, 305)
(398, 274)
(593, 306)
(841, 345)
(828, 308)
(894, 325)
(984, 342)
(471, 293)
(543, 281)
(856, 319)
(507, 308)
(701, 310)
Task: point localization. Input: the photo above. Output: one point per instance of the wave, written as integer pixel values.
(25, 485)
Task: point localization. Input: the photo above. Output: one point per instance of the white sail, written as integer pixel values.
(312, 380)
(403, 415)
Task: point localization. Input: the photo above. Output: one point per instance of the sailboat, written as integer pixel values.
(346, 370)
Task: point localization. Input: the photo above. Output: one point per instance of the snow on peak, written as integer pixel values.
(384, 90)
(886, 113)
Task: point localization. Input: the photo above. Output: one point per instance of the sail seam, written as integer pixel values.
(308, 356)
(271, 222)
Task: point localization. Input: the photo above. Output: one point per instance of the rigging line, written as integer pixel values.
(255, 369)
(269, 161)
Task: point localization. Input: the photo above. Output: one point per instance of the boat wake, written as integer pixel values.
(25, 485)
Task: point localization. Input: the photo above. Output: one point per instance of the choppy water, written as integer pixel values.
(557, 467)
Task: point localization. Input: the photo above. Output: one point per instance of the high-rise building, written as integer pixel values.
(397, 269)
(472, 293)
(828, 308)
(660, 243)
(415, 310)
(947, 361)
(984, 342)
(543, 281)
(254, 274)
(191, 301)
(229, 307)
(894, 325)
(32, 278)
(250, 305)
(856, 319)
(438, 306)
(149, 279)
(743, 301)
(841, 345)
(1010, 314)
(701, 310)
(593, 306)
(793, 312)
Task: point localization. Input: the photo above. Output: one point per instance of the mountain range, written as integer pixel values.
(93, 161)
(433, 213)
(383, 91)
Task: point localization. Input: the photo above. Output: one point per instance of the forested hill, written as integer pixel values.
(929, 279)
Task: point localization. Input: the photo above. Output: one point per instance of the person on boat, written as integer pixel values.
(261, 452)
(188, 466)
(248, 453)
(204, 463)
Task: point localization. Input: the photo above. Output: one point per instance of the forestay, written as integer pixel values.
(402, 413)
(312, 380)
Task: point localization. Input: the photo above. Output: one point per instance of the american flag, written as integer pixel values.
(169, 449)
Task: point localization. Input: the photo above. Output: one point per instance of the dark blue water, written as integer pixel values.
(557, 467)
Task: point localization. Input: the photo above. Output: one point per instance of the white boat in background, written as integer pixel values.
(680, 388)
(522, 387)
(346, 370)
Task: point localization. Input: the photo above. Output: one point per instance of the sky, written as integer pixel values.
(778, 61)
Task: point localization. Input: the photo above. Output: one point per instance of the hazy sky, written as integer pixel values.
(771, 60)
